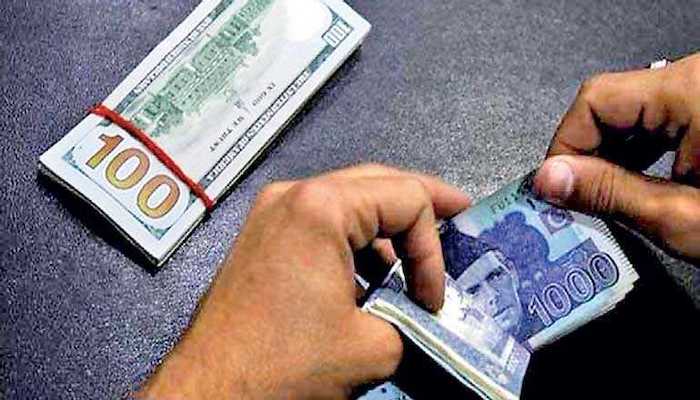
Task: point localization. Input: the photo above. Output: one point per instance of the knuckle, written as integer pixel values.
(374, 168)
(691, 74)
(314, 200)
(592, 85)
(682, 78)
(421, 189)
(269, 193)
(603, 191)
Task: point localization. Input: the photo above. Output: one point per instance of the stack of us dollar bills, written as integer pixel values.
(212, 95)
(520, 274)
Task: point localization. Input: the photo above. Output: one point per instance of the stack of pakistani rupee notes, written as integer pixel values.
(520, 274)
(212, 95)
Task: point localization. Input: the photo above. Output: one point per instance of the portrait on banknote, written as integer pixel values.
(461, 316)
(536, 269)
(485, 275)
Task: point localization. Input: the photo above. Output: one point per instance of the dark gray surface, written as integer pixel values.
(468, 90)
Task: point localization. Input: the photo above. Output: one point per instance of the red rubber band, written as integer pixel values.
(114, 117)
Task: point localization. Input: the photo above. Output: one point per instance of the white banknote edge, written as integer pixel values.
(159, 250)
(474, 378)
(386, 315)
(47, 172)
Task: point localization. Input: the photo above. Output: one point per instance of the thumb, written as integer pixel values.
(593, 185)
(666, 211)
(375, 351)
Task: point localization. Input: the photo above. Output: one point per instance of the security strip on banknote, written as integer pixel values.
(212, 95)
(520, 274)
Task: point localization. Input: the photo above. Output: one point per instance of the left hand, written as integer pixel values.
(280, 320)
(619, 124)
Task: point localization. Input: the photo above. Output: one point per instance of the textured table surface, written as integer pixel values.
(468, 90)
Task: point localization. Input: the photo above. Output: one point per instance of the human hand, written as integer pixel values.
(280, 320)
(620, 124)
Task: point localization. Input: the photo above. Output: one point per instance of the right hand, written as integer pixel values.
(281, 320)
(619, 124)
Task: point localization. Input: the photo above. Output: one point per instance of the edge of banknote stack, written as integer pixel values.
(213, 95)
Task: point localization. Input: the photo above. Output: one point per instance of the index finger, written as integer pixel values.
(400, 207)
(447, 199)
(623, 101)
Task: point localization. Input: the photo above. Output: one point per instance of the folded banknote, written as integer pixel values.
(212, 95)
(527, 271)
(462, 338)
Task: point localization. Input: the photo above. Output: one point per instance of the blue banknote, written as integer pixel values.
(385, 391)
(539, 271)
(461, 337)
(520, 274)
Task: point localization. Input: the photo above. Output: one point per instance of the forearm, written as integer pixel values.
(199, 367)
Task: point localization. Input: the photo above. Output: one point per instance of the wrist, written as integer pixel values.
(207, 363)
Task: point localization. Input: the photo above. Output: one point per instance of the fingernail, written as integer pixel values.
(439, 306)
(555, 181)
(433, 309)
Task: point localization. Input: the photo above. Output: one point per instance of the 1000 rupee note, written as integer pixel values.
(540, 271)
(533, 270)
(212, 95)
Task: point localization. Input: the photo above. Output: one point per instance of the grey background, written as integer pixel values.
(468, 90)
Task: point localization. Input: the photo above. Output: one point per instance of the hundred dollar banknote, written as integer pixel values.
(212, 95)
(537, 271)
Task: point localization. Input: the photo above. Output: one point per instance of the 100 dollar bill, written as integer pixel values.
(212, 95)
